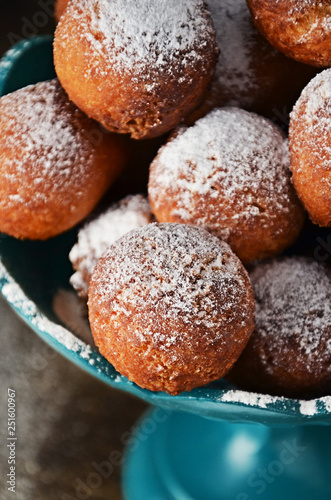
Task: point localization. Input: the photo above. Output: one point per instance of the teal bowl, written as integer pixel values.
(188, 447)
(32, 272)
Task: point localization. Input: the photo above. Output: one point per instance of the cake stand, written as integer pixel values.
(214, 443)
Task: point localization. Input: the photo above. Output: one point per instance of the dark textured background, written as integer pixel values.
(66, 419)
(22, 18)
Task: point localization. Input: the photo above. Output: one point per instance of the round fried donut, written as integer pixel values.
(310, 139)
(171, 307)
(137, 66)
(301, 29)
(229, 173)
(55, 164)
(289, 352)
(250, 73)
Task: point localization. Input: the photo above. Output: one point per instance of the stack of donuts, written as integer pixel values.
(202, 276)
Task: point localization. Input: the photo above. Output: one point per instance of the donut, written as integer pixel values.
(301, 29)
(250, 73)
(55, 164)
(289, 352)
(171, 307)
(309, 140)
(137, 66)
(99, 233)
(229, 173)
(59, 8)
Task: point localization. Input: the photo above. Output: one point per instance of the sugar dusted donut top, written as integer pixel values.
(315, 13)
(237, 38)
(301, 29)
(146, 35)
(312, 118)
(293, 308)
(310, 148)
(171, 307)
(180, 273)
(44, 138)
(53, 171)
(243, 154)
(98, 234)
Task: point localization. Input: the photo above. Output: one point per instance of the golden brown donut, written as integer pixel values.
(250, 73)
(310, 148)
(289, 352)
(99, 233)
(229, 173)
(55, 164)
(59, 8)
(137, 66)
(301, 29)
(171, 307)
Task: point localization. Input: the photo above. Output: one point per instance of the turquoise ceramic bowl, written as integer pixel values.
(32, 272)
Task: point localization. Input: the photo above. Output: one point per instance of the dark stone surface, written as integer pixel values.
(67, 421)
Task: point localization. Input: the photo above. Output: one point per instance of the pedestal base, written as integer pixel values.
(179, 456)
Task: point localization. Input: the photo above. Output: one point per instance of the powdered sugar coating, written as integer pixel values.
(250, 398)
(321, 25)
(49, 140)
(144, 36)
(308, 407)
(176, 267)
(293, 311)
(310, 147)
(230, 170)
(313, 110)
(16, 297)
(46, 162)
(300, 29)
(53, 171)
(234, 37)
(137, 67)
(98, 234)
(235, 74)
(170, 306)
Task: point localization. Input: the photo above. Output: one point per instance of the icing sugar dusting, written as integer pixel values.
(182, 273)
(318, 15)
(312, 113)
(327, 403)
(308, 407)
(236, 37)
(97, 235)
(16, 297)
(293, 298)
(230, 158)
(250, 398)
(145, 34)
(41, 120)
